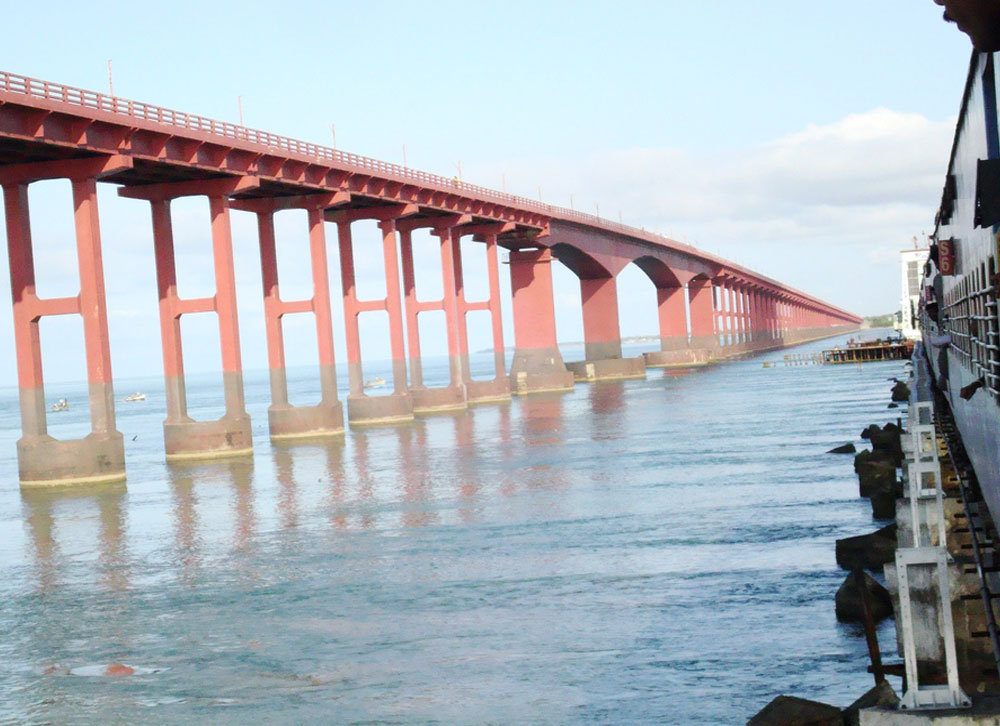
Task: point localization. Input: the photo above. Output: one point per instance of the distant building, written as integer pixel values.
(913, 269)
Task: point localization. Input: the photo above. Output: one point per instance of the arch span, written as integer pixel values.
(583, 265)
(659, 272)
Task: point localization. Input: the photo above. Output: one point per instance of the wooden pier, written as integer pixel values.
(867, 351)
(857, 351)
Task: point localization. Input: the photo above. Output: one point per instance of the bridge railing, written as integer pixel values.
(35, 88)
(48, 91)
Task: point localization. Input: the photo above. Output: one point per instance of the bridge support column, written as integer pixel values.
(286, 421)
(724, 322)
(797, 331)
(443, 398)
(732, 317)
(747, 319)
(602, 336)
(538, 365)
(782, 321)
(498, 389)
(763, 326)
(362, 409)
(753, 298)
(740, 343)
(43, 460)
(703, 333)
(776, 320)
(185, 438)
(766, 320)
(411, 310)
(452, 397)
(675, 350)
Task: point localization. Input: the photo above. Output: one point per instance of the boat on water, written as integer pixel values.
(374, 382)
(959, 302)
(135, 397)
(61, 405)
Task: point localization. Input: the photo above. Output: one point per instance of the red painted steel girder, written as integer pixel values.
(43, 121)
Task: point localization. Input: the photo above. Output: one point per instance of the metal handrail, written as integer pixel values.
(60, 93)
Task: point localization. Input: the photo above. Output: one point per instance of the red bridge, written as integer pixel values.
(709, 308)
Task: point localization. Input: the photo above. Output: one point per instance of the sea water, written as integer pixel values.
(647, 551)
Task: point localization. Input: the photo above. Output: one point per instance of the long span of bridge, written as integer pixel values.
(709, 307)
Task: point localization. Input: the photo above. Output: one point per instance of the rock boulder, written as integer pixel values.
(792, 711)
(868, 551)
(880, 695)
(848, 600)
(845, 449)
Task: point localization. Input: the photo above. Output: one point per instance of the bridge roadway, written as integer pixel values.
(50, 131)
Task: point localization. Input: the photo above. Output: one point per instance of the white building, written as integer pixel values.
(913, 271)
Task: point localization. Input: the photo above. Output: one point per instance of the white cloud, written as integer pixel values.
(804, 208)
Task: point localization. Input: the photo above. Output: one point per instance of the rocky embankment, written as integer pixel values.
(861, 556)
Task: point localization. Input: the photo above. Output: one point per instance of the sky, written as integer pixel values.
(805, 140)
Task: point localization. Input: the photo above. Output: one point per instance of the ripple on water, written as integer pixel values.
(654, 551)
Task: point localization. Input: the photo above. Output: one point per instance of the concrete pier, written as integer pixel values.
(43, 460)
(185, 438)
(496, 390)
(604, 369)
(362, 409)
(286, 421)
(538, 364)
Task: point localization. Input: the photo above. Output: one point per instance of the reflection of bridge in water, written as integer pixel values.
(387, 479)
(708, 307)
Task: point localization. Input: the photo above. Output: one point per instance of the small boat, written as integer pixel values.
(374, 382)
(61, 405)
(135, 397)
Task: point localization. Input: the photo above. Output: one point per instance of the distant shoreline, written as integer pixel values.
(580, 343)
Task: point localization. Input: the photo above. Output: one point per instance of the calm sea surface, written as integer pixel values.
(659, 550)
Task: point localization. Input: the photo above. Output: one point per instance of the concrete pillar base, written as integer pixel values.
(733, 350)
(766, 341)
(396, 408)
(705, 342)
(608, 369)
(678, 358)
(226, 437)
(523, 383)
(43, 461)
(428, 401)
(483, 392)
(535, 370)
(673, 342)
(305, 422)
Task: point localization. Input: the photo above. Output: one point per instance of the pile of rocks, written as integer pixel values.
(792, 711)
(879, 482)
